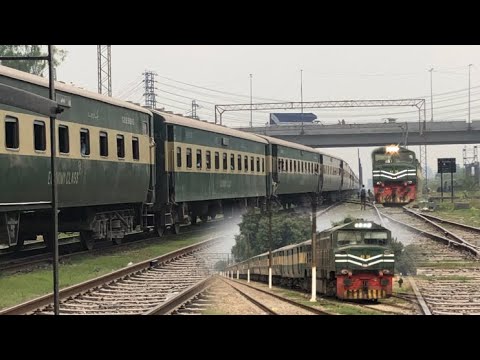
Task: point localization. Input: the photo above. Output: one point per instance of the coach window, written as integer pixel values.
(291, 167)
(209, 159)
(258, 164)
(120, 146)
(145, 128)
(136, 149)
(63, 143)
(11, 133)
(252, 164)
(303, 166)
(225, 165)
(239, 162)
(103, 143)
(232, 162)
(84, 142)
(189, 158)
(217, 160)
(39, 136)
(179, 157)
(263, 165)
(246, 163)
(294, 166)
(199, 159)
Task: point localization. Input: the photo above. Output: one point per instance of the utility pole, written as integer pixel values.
(194, 109)
(269, 207)
(150, 96)
(314, 250)
(431, 93)
(360, 170)
(48, 107)
(104, 69)
(251, 102)
(301, 91)
(469, 68)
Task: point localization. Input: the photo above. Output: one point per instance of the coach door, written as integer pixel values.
(341, 174)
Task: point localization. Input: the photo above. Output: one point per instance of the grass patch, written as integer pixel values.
(447, 277)
(465, 216)
(17, 288)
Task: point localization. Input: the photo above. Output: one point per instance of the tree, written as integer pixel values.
(35, 67)
(404, 257)
(287, 228)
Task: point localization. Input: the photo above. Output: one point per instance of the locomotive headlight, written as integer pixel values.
(386, 271)
(363, 225)
(392, 149)
(409, 182)
(344, 271)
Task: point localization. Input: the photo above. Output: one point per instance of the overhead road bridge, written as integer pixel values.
(375, 134)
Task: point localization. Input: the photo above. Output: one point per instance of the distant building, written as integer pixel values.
(291, 118)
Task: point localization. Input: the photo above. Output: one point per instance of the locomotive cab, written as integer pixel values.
(364, 265)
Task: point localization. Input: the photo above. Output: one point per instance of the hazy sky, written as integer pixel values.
(221, 75)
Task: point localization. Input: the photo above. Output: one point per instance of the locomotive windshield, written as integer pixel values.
(345, 238)
(401, 157)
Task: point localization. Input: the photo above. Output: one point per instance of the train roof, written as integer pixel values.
(285, 143)
(38, 80)
(327, 154)
(202, 125)
(291, 246)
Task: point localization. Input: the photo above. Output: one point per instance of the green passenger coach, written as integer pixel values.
(104, 164)
(203, 168)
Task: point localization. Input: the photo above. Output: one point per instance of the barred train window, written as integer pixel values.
(84, 142)
(225, 165)
(39, 137)
(179, 157)
(232, 162)
(252, 164)
(11, 133)
(199, 159)
(263, 165)
(239, 162)
(217, 160)
(189, 158)
(246, 163)
(103, 143)
(209, 159)
(63, 141)
(120, 146)
(136, 149)
(258, 164)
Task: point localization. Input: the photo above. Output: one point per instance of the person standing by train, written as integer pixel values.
(363, 198)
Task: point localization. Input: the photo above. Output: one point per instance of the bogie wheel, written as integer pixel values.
(20, 242)
(48, 240)
(204, 218)
(176, 228)
(160, 230)
(87, 240)
(213, 215)
(193, 219)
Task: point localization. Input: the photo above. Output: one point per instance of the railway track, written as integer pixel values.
(448, 270)
(24, 260)
(37, 254)
(289, 306)
(148, 287)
